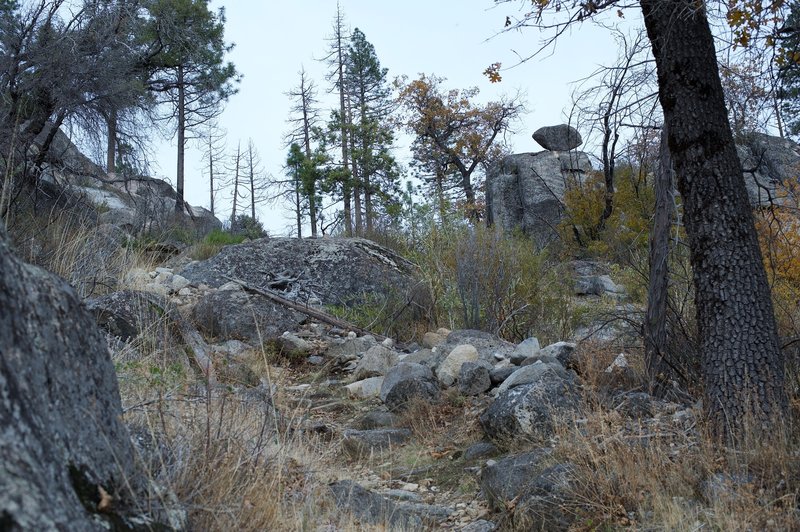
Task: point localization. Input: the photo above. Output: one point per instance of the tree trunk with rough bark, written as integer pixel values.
(742, 364)
(655, 324)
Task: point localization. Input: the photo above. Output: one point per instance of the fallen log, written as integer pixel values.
(324, 317)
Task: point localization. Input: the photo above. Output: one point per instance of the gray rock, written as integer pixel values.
(546, 359)
(564, 352)
(768, 161)
(371, 508)
(366, 442)
(377, 361)
(128, 314)
(473, 378)
(481, 525)
(542, 493)
(350, 348)
(558, 138)
(596, 285)
(62, 434)
(406, 382)
(532, 374)
(498, 375)
(486, 344)
(482, 449)
(530, 412)
(293, 345)
(525, 191)
(448, 370)
(426, 357)
(240, 316)
(508, 478)
(402, 495)
(431, 514)
(369, 387)
(528, 348)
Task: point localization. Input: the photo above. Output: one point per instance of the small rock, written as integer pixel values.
(370, 387)
(179, 282)
(315, 360)
(525, 349)
(448, 370)
(388, 343)
(482, 449)
(406, 382)
(376, 361)
(432, 339)
(402, 495)
(473, 378)
(352, 335)
(230, 286)
(185, 292)
(564, 352)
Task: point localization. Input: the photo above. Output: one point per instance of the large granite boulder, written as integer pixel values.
(317, 271)
(767, 161)
(62, 444)
(525, 191)
(558, 138)
(135, 204)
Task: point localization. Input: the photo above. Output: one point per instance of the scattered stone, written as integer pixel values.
(562, 137)
(369, 507)
(376, 361)
(406, 382)
(448, 370)
(370, 387)
(527, 349)
(365, 442)
(473, 378)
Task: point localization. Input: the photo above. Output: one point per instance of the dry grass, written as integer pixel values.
(669, 473)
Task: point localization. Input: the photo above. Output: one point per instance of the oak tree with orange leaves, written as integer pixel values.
(454, 135)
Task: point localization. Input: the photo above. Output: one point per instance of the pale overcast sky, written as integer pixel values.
(450, 38)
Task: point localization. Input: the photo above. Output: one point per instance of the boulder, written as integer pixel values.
(498, 374)
(346, 349)
(406, 382)
(473, 378)
(324, 271)
(448, 370)
(768, 161)
(128, 314)
(377, 361)
(62, 437)
(241, 316)
(426, 357)
(530, 412)
(541, 493)
(525, 191)
(562, 137)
